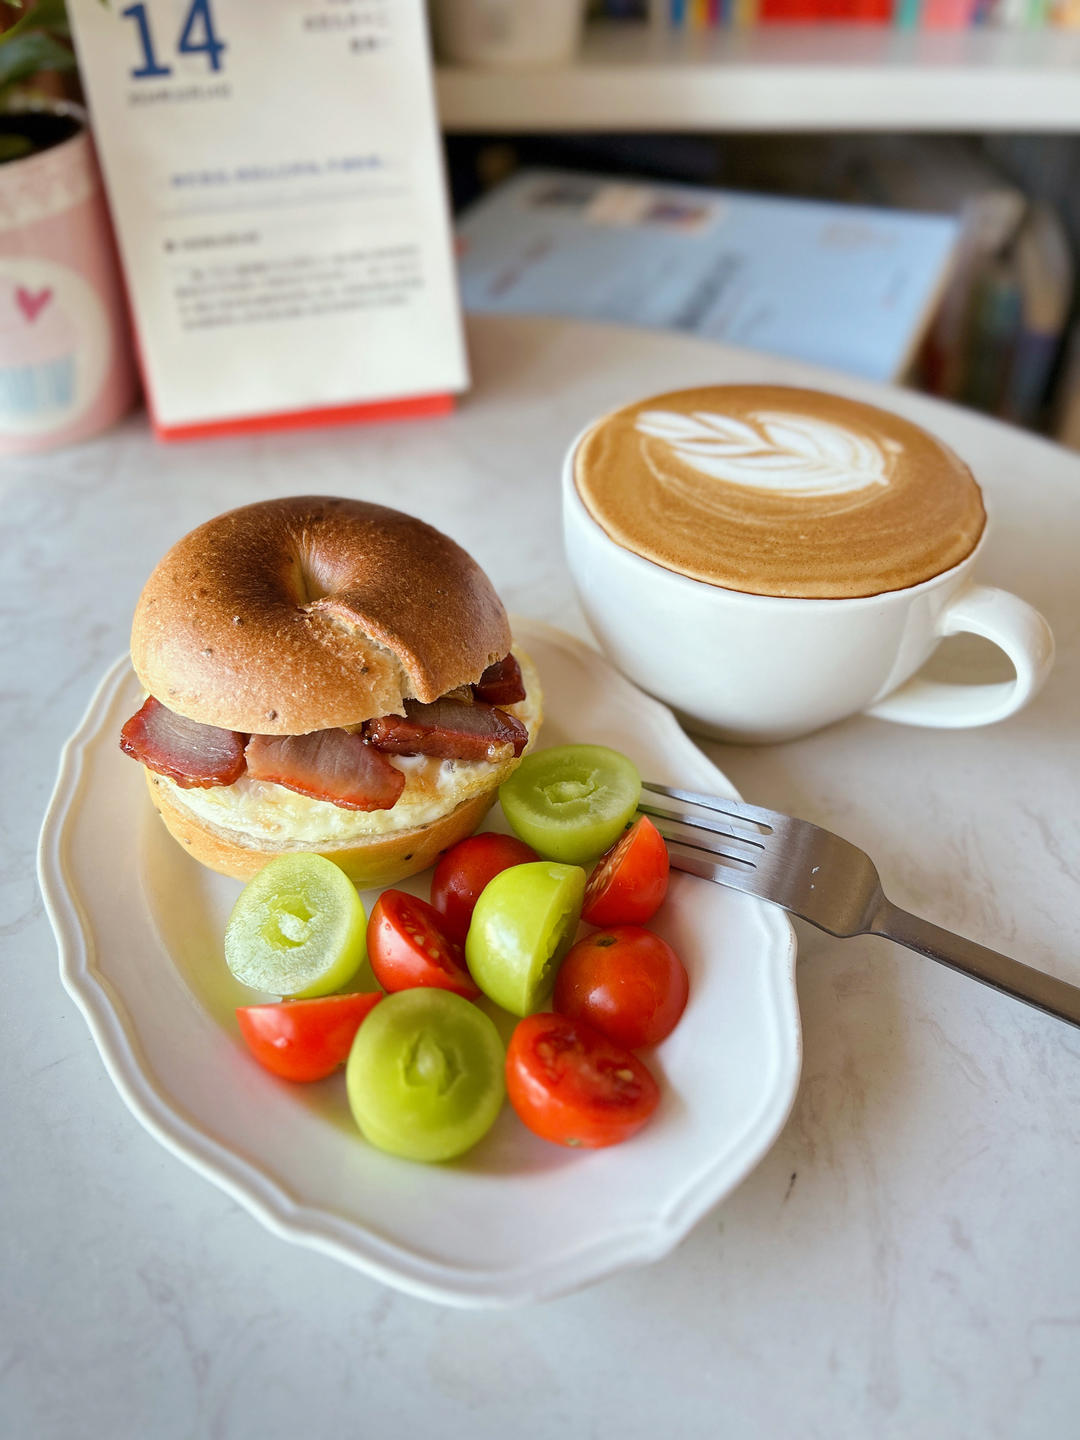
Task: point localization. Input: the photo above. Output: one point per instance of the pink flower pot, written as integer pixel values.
(66, 365)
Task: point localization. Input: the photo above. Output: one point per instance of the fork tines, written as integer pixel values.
(704, 831)
(736, 810)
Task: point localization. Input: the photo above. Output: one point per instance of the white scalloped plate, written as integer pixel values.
(139, 926)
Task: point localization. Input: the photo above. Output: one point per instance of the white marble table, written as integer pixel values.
(906, 1261)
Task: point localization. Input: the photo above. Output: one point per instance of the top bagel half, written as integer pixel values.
(313, 612)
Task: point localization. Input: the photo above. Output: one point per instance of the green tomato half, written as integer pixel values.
(298, 929)
(522, 926)
(425, 1076)
(573, 802)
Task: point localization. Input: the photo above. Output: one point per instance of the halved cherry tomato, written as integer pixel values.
(464, 871)
(573, 802)
(407, 947)
(627, 982)
(425, 1076)
(630, 881)
(572, 1085)
(305, 1039)
(524, 923)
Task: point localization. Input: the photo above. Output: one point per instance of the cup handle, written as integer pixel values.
(1009, 623)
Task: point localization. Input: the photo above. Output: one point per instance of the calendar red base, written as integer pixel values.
(408, 408)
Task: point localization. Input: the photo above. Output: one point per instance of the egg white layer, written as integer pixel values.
(261, 813)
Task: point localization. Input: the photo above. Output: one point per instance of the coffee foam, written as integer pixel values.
(779, 491)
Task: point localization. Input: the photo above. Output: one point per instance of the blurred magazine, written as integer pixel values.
(846, 286)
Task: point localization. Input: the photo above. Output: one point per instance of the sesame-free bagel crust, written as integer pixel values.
(300, 614)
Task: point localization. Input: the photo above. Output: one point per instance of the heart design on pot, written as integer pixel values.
(31, 303)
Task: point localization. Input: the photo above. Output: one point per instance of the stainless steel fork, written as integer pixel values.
(829, 882)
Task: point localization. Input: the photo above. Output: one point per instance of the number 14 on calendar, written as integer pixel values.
(198, 36)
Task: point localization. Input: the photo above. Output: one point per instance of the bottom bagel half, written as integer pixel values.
(371, 861)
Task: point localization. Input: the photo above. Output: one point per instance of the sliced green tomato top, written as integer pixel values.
(298, 928)
(523, 924)
(571, 803)
(425, 1076)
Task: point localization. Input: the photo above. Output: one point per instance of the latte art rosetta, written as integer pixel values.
(784, 453)
(792, 454)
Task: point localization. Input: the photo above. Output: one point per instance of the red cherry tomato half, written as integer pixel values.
(626, 982)
(407, 947)
(305, 1039)
(464, 871)
(572, 1085)
(631, 880)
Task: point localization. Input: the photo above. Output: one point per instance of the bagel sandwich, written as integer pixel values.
(325, 675)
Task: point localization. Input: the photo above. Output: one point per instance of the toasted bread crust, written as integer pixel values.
(311, 612)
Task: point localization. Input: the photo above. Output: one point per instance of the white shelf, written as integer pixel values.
(634, 77)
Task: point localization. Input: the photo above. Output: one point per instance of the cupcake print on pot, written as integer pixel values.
(53, 349)
(38, 343)
(66, 366)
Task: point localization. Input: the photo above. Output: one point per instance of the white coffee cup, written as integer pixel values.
(762, 668)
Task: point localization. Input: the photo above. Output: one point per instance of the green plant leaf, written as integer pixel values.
(29, 53)
(46, 15)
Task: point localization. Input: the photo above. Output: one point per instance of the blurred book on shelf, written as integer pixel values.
(702, 15)
(847, 286)
(1043, 268)
(999, 328)
(1066, 426)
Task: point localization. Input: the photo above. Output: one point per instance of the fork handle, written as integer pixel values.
(1034, 987)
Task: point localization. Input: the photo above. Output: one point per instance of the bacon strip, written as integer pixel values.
(334, 765)
(449, 729)
(194, 755)
(501, 683)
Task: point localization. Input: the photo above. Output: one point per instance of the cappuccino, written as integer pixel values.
(772, 490)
